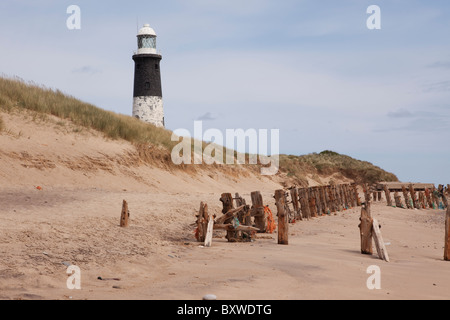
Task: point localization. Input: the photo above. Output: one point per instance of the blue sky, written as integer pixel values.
(309, 68)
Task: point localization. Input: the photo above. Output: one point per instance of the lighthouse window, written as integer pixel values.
(147, 85)
(147, 42)
(156, 66)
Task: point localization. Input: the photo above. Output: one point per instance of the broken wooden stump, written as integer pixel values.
(283, 224)
(356, 195)
(428, 198)
(379, 243)
(227, 202)
(388, 196)
(125, 215)
(365, 227)
(296, 204)
(398, 200)
(202, 222)
(408, 201)
(227, 205)
(304, 201)
(258, 212)
(422, 202)
(415, 201)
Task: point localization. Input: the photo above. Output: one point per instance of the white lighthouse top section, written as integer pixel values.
(146, 40)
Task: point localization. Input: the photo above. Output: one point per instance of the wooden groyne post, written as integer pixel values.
(365, 227)
(283, 223)
(125, 215)
(447, 228)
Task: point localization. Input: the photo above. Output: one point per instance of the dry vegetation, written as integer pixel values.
(16, 94)
(329, 162)
(155, 144)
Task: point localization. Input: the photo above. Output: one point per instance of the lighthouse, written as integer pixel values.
(147, 93)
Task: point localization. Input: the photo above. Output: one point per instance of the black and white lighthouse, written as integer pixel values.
(147, 95)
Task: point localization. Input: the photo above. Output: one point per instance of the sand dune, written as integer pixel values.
(73, 219)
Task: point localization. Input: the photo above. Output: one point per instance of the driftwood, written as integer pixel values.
(229, 215)
(379, 243)
(231, 227)
(209, 232)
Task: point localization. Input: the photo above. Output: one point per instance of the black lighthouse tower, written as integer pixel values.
(147, 94)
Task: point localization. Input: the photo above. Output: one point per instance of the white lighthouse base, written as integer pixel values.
(149, 109)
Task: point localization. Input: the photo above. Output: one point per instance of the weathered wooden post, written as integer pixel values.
(407, 198)
(209, 229)
(304, 201)
(296, 203)
(365, 227)
(447, 236)
(422, 203)
(312, 203)
(355, 190)
(428, 197)
(435, 198)
(323, 195)
(283, 224)
(388, 195)
(330, 200)
(258, 211)
(202, 221)
(398, 200)
(244, 216)
(350, 196)
(227, 203)
(366, 193)
(444, 197)
(318, 200)
(337, 194)
(125, 215)
(344, 197)
(413, 197)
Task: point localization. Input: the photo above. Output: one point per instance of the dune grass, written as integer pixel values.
(17, 94)
(329, 162)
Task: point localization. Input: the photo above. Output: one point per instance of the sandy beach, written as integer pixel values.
(61, 196)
